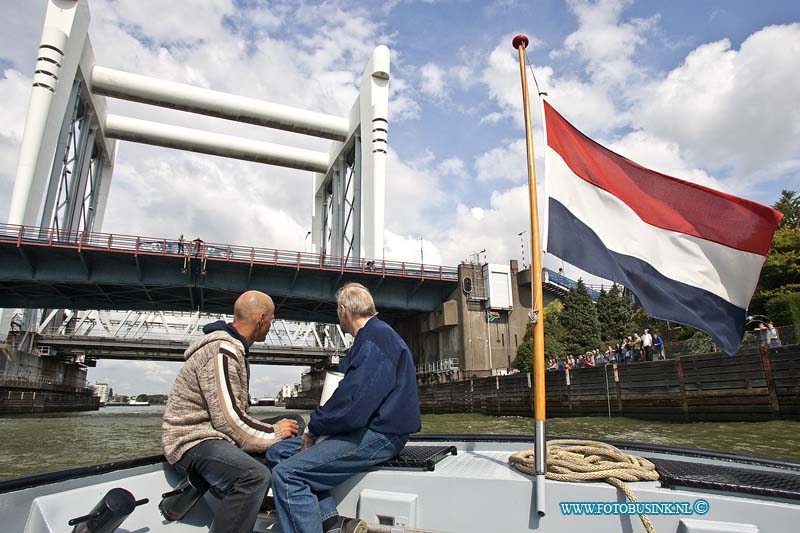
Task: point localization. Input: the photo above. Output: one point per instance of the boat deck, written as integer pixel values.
(473, 491)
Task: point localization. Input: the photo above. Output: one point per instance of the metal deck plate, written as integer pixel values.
(727, 478)
(419, 457)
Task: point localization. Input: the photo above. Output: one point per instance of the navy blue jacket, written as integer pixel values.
(379, 388)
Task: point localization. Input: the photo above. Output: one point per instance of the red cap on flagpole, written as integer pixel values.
(520, 40)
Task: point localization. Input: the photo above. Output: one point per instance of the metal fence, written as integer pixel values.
(751, 342)
(437, 367)
(197, 249)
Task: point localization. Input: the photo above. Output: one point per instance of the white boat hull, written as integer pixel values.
(473, 491)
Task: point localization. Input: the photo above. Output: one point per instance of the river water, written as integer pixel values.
(32, 445)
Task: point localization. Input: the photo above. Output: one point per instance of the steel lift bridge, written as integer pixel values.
(164, 335)
(53, 254)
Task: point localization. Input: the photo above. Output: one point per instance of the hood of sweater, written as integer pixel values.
(221, 325)
(214, 333)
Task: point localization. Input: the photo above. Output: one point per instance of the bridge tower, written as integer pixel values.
(65, 160)
(69, 145)
(349, 199)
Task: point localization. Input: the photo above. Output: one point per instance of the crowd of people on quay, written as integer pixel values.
(631, 349)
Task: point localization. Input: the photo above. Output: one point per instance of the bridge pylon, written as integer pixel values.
(69, 145)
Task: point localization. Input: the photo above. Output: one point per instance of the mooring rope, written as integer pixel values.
(588, 460)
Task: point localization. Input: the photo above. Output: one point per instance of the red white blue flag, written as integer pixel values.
(690, 254)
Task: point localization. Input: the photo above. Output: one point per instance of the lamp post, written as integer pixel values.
(762, 331)
(478, 256)
(306, 241)
(521, 235)
(763, 319)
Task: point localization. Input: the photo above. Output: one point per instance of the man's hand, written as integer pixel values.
(308, 441)
(286, 428)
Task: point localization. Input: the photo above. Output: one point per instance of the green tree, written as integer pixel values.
(614, 314)
(554, 333)
(700, 342)
(789, 205)
(553, 339)
(579, 320)
(142, 398)
(781, 271)
(782, 266)
(524, 360)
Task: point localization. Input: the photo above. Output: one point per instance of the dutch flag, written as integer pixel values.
(690, 254)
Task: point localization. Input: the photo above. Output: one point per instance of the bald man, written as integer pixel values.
(207, 427)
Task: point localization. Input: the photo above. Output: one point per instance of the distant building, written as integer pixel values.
(476, 332)
(101, 390)
(287, 391)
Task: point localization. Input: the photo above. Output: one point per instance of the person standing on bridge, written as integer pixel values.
(365, 422)
(207, 428)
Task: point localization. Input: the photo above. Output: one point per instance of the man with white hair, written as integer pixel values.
(365, 422)
(207, 427)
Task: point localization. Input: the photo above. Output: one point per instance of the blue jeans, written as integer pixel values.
(301, 481)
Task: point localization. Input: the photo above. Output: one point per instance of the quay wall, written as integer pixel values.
(312, 383)
(707, 387)
(33, 384)
(36, 401)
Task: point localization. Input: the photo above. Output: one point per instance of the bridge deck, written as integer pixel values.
(41, 268)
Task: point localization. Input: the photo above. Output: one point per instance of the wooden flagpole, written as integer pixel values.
(520, 42)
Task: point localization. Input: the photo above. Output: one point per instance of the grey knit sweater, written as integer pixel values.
(210, 400)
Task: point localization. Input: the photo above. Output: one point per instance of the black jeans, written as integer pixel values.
(240, 479)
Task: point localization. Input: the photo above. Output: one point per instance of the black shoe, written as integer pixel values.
(267, 505)
(343, 524)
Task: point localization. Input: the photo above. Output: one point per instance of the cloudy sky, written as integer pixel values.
(706, 91)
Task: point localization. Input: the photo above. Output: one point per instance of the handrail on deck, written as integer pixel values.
(200, 250)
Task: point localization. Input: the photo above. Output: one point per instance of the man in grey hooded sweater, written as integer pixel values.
(207, 427)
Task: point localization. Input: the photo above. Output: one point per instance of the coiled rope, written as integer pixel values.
(588, 460)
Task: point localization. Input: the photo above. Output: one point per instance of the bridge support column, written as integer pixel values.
(63, 38)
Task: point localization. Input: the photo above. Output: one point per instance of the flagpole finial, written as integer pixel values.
(520, 40)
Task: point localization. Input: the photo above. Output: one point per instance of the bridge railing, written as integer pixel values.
(201, 251)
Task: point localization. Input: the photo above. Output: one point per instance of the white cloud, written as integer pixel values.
(582, 102)
(732, 110)
(402, 103)
(412, 249)
(604, 42)
(433, 81)
(157, 376)
(412, 189)
(494, 228)
(504, 162)
(452, 166)
(170, 26)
